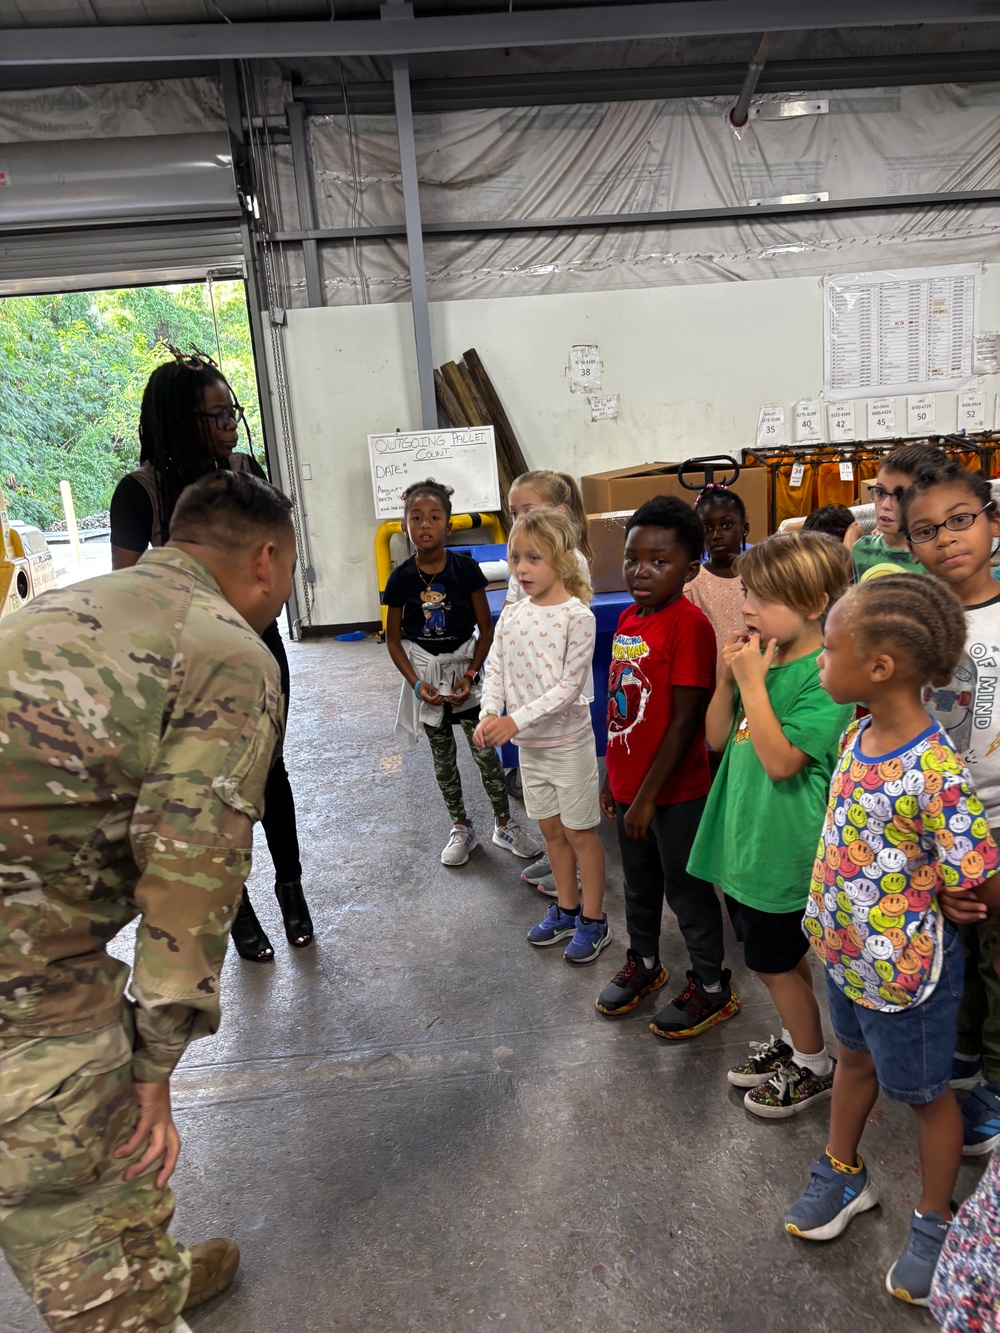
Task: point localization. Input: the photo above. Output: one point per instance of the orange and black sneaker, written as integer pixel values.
(625, 990)
(696, 1010)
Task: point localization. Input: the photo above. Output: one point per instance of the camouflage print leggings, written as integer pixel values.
(445, 754)
(91, 1251)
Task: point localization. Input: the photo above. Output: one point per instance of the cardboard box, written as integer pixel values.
(606, 533)
(626, 488)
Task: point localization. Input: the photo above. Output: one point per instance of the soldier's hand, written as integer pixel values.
(155, 1131)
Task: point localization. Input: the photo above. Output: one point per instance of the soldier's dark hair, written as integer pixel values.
(912, 615)
(667, 511)
(944, 472)
(232, 510)
(170, 436)
(834, 520)
(435, 489)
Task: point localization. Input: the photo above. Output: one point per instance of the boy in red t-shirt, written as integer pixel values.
(661, 680)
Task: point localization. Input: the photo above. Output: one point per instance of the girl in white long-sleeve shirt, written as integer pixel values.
(538, 670)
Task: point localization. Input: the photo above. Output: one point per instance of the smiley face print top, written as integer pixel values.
(900, 829)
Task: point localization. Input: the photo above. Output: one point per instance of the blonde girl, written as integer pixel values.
(538, 671)
(545, 489)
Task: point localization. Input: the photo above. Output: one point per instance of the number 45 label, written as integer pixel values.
(920, 414)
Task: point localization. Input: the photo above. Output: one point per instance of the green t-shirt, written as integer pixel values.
(873, 557)
(757, 838)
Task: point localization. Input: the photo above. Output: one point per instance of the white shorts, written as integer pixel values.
(562, 780)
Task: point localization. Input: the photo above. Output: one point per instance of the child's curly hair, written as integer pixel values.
(916, 616)
(555, 536)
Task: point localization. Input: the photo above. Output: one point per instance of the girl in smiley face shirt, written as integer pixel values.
(905, 840)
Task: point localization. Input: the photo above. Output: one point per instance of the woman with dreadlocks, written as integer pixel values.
(188, 425)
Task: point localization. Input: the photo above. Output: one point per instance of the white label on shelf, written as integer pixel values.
(795, 480)
(771, 425)
(846, 471)
(920, 414)
(972, 410)
(840, 422)
(807, 419)
(882, 418)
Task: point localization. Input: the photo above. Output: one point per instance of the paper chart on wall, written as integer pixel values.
(902, 331)
(465, 459)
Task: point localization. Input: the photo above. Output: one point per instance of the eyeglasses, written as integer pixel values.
(956, 523)
(224, 415)
(880, 493)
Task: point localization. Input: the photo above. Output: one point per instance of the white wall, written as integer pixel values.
(693, 364)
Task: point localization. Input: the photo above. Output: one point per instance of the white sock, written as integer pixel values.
(786, 1037)
(649, 963)
(714, 989)
(820, 1063)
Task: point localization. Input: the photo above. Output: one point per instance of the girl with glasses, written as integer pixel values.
(188, 426)
(952, 526)
(885, 551)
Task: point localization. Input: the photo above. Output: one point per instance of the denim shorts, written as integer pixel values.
(913, 1049)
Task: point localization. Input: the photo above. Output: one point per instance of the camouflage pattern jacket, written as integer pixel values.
(139, 715)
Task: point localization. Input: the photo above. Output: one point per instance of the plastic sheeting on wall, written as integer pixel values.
(551, 162)
(110, 111)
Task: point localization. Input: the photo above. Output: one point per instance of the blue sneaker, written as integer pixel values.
(556, 926)
(590, 938)
(966, 1071)
(910, 1277)
(981, 1120)
(829, 1201)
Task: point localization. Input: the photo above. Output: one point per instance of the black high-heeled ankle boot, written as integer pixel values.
(249, 935)
(294, 913)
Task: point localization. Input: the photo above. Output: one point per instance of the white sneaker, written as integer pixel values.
(463, 840)
(512, 836)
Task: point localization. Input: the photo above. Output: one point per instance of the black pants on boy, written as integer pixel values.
(656, 868)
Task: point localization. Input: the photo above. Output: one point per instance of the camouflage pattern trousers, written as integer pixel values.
(444, 752)
(91, 1251)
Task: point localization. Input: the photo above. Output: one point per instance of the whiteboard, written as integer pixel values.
(901, 331)
(465, 459)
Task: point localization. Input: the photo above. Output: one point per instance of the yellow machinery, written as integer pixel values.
(459, 523)
(26, 567)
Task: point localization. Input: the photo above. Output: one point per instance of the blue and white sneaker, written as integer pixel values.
(515, 839)
(910, 1277)
(556, 926)
(981, 1120)
(824, 1208)
(590, 938)
(966, 1071)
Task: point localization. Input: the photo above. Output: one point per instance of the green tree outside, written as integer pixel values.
(72, 371)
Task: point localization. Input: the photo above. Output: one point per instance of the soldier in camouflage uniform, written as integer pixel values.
(139, 714)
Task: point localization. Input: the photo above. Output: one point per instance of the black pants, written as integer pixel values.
(656, 868)
(279, 804)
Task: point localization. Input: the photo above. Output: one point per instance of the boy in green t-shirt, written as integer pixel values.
(757, 839)
(885, 551)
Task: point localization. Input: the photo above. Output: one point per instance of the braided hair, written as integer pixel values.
(716, 492)
(919, 617)
(169, 436)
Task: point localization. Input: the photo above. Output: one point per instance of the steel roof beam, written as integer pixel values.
(566, 26)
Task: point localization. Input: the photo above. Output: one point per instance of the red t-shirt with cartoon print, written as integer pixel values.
(650, 655)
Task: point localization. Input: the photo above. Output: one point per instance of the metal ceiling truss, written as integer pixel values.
(404, 35)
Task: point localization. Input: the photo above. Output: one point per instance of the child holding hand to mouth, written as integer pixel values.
(781, 733)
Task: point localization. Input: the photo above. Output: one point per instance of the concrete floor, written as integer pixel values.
(423, 1124)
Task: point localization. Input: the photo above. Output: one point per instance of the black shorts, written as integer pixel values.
(772, 941)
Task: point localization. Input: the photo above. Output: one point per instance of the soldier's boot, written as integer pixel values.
(294, 913)
(213, 1267)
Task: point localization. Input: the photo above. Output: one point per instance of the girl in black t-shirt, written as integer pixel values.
(436, 602)
(189, 425)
